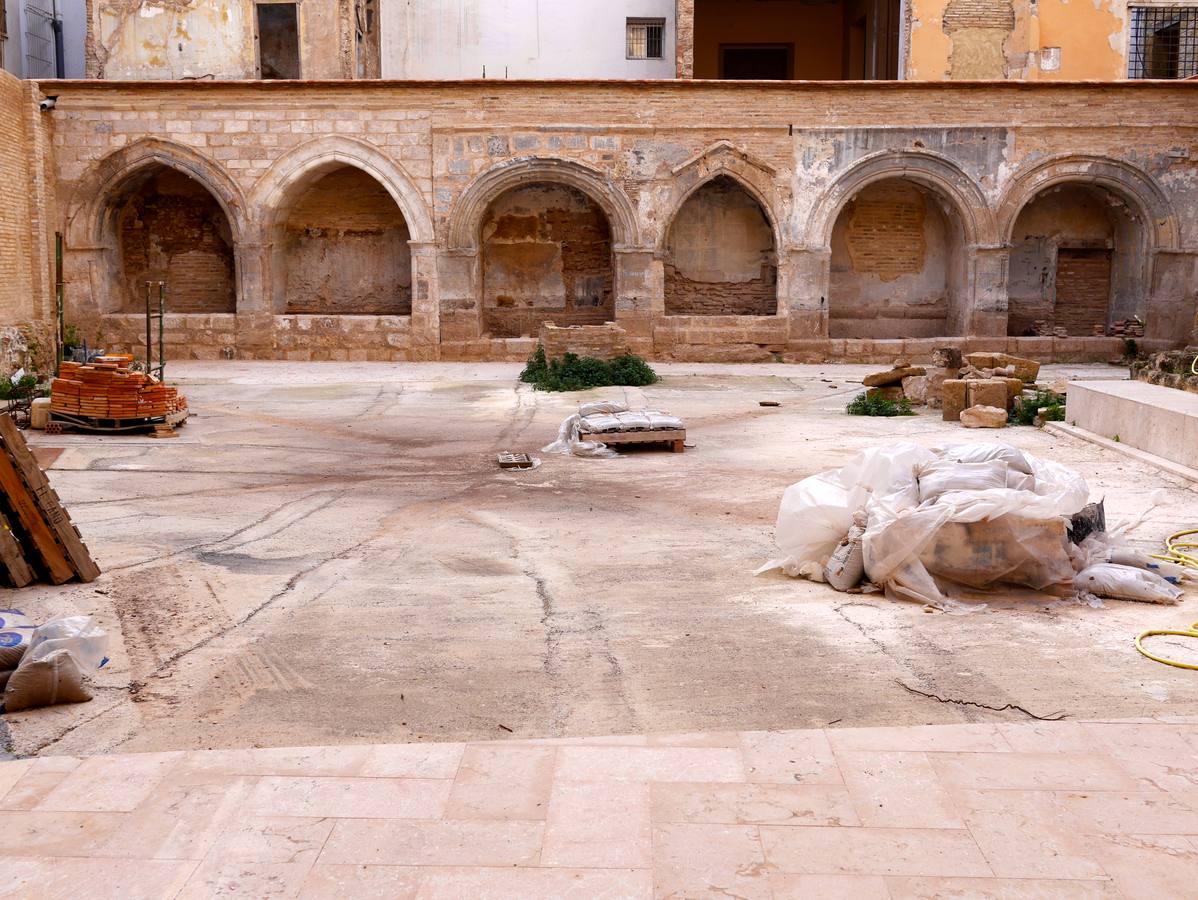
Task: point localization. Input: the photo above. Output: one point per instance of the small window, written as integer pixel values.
(1163, 42)
(278, 41)
(645, 38)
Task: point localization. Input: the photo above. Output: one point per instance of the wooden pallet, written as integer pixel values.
(34, 518)
(675, 438)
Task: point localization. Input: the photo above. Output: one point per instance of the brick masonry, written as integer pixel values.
(447, 153)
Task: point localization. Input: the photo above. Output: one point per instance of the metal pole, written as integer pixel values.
(60, 65)
(149, 346)
(161, 327)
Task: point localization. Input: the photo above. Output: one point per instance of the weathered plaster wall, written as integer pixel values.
(446, 152)
(1035, 40)
(175, 39)
(720, 257)
(347, 249)
(172, 229)
(546, 257)
(892, 252)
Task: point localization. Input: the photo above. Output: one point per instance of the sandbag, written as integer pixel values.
(51, 679)
(1126, 583)
(984, 451)
(944, 475)
(16, 633)
(846, 566)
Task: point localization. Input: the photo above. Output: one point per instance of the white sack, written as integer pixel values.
(1126, 583)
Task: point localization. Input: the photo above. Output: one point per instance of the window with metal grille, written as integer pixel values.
(1163, 42)
(645, 38)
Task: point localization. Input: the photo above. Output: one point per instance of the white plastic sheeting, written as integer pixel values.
(816, 514)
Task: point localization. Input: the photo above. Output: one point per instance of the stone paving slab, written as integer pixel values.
(1043, 809)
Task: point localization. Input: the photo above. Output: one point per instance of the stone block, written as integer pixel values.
(915, 389)
(946, 358)
(892, 392)
(954, 397)
(1025, 369)
(987, 392)
(984, 417)
(1014, 389)
(894, 376)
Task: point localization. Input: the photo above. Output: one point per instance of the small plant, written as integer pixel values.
(1027, 408)
(1117, 441)
(21, 389)
(70, 338)
(577, 373)
(877, 405)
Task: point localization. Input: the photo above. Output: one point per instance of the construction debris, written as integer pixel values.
(995, 379)
(37, 537)
(978, 516)
(984, 417)
(894, 376)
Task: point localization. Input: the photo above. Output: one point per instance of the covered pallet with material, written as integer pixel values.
(595, 425)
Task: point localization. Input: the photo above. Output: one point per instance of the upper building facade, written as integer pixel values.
(816, 40)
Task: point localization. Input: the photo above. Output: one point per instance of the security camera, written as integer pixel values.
(48, 104)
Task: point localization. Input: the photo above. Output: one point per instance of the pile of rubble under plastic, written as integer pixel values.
(942, 525)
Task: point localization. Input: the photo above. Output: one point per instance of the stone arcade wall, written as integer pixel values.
(449, 154)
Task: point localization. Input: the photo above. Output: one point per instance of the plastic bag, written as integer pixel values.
(16, 632)
(817, 512)
(569, 442)
(78, 634)
(602, 406)
(1126, 583)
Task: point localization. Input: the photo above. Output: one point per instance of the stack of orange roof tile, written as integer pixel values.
(106, 389)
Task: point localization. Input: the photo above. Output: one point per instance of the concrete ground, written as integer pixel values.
(329, 555)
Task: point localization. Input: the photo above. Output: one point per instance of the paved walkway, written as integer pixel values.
(1012, 810)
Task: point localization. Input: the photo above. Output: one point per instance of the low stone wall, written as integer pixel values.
(1173, 369)
(599, 341)
(247, 336)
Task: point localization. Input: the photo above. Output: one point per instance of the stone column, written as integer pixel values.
(803, 279)
(426, 310)
(640, 295)
(684, 39)
(459, 296)
(982, 311)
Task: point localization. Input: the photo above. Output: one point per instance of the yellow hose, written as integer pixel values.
(1193, 633)
(1175, 553)
(1175, 549)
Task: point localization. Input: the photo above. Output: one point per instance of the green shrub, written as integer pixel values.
(574, 373)
(21, 389)
(865, 405)
(1025, 409)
